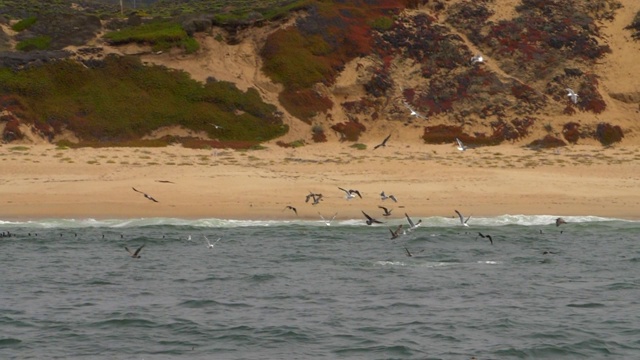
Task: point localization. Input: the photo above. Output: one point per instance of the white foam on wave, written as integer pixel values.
(435, 221)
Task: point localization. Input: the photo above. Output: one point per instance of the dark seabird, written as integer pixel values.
(145, 195)
(291, 208)
(560, 221)
(409, 254)
(316, 198)
(383, 143)
(462, 220)
(396, 233)
(387, 212)
(547, 252)
(486, 236)
(135, 254)
(350, 194)
(371, 220)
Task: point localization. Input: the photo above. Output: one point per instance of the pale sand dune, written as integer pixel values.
(45, 182)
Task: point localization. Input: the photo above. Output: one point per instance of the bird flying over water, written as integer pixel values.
(560, 221)
(412, 226)
(462, 220)
(486, 236)
(135, 254)
(209, 244)
(395, 233)
(371, 220)
(328, 223)
(383, 143)
(291, 208)
(145, 195)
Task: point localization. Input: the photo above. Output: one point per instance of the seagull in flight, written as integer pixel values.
(210, 245)
(461, 146)
(135, 254)
(560, 221)
(384, 197)
(328, 223)
(486, 236)
(572, 94)
(145, 195)
(387, 212)
(462, 220)
(371, 220)
(395, 234)
(412, 226)
(477, 59)
(413, 112)
(217, 127)
(383, 143)
(350, 194)
(291, 208)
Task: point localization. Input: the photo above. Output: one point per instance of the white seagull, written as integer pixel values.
(413, 112)
(209, 244)
(572, 94)
(350, 194)
(461, 146)
(477, 59)
(462, 220)
(412, 226)
(328, 223)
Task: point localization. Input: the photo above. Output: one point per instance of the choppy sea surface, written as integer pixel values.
(304, 290)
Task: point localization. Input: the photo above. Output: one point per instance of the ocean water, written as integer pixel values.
(304, 290)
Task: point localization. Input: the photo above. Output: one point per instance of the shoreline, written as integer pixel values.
(44, 182)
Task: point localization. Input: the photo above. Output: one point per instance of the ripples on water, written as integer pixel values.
(278, 290)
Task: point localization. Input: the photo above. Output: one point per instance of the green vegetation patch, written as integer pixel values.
(122, 100)
(155, 32)
(24, 24)
(36, 43)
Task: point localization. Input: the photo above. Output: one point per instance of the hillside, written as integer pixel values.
(352, 72)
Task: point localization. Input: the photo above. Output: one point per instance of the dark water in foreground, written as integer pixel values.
(280, 290)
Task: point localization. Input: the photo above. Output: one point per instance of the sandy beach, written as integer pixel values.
(43, 181)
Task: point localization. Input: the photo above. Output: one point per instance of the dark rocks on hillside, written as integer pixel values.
(635, 27)
(19, 60)
(64, 29)
(571, 132)
(197, 24)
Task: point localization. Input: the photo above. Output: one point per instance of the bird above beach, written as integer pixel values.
(209, 244)
(462, 220)
(291, 208)
(145, 195)
(412, 226)
(572, 95)
(396, 233)
(560, 221)
(350, 194)
(384, 197)
(328, 223)
(371, 220)
(461, 146)
(386, 212)
(383, 143)
(135, 254)
(486, 236)
(477, 59)
(316, 198)
(413, 112)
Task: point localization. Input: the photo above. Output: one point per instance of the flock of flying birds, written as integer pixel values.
(315, 198)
